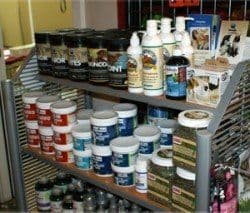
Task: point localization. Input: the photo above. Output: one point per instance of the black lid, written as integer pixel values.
(42, 37)
(118, 43)
(97, 41)
(57, 38)
(66, 30)
(84, 30)
(73, 39)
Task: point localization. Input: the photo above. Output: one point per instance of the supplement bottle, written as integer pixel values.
(43, 52)
(186, 47)
(152, 59)
(78, 199)
(141, 175)
(62, 181)
(77, 57)
(102, 200)
(56, 199)
(90, 204)
(67, 205)
(175, 72)
(70, 189)
(135, 65)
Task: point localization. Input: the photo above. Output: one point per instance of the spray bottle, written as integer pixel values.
(186, 47)
(152, 53)
(135, 65)
(180, 28)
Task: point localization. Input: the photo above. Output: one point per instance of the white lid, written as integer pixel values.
(177, 52)
(85, 153)
(185, 174)
(63, 129)
(125, 110)
(134, 40)
(30, 97)
(117, 169)
(166, 25)
(141, 163)
(104, 118)
(147, 133)
(63, 107)
(45, 130)
(124, 145)
(66, 147)
(167, 124)
(195, 118)
(31, 124)
(84, 114)
(81, 131)
(101, 150)
(165, 159)
(180, 22)
(45, 101)
(151, 27)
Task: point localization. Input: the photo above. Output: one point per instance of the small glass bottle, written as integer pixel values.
(56, 199)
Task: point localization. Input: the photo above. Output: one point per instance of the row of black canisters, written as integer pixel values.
(98, 56)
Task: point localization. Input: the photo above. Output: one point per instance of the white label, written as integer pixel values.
(141, 180)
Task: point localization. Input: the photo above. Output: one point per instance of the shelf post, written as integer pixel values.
(11, 130)
(203, 164)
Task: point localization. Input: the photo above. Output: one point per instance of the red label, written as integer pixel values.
(33, 138)
(44, 117)
(30, 112)
(62, 138)
(47, 144)
(64, 156)
(63, 120)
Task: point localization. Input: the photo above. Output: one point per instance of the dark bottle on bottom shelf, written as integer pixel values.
(62, 181)
(68, 204)
(70, 189)
(78, 198)
(56, 199)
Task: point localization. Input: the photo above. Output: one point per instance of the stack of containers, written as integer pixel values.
(30, 115)
(63, 119)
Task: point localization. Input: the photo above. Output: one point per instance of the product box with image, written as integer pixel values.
(206, 87)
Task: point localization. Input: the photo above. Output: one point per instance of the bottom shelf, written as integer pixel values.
(105, 183)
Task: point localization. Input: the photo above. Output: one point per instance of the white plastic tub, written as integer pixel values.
(124, 176)
(81, 137)
(64, 153)
(83, 159)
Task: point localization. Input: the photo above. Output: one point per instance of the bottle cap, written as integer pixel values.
(152, 27)
(166, 25)
(180, 23)
(134, 41)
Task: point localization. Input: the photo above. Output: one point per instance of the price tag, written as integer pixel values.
(184, 3)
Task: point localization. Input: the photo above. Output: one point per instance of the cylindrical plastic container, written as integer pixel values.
(149, 137)
(64, 153)
(43, 52)
(62, 134)
(154, 114)
(63, 113)
(33, 134)
(127, 118)
(83, 159)
(104, 127)
(82, 137)
(141, 173)
(98, 58)
(47, 140)
(101, 158)
(184, 139)
(124, 176)
(124, 151)
(167, 128)
(43, 109)
(83, 116)
(29, 105)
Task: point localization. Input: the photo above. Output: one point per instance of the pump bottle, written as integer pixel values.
(186, 47)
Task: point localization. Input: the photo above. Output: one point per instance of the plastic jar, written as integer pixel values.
(124, 176)
(154, 114)
(64, 153)
(63, 113)
(160, 175)
(77, 57)
(124, 151)
(62, 181)
(83, 116)
(29, 105)
(117, 60)
(47, 140)
(62, 134)
(98, 58)
(59, 56)
(83, 159)
(149, 137)
(43, 109)
(101, 158)
(81, 137)
(56, 199)
(141, 173)
(183, 190)
(127, 118)
(184, 139)
(43, 52)
(167, 128)
(33, 134)
(104, 127)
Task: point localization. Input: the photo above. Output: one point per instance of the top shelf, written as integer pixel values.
(160, 101)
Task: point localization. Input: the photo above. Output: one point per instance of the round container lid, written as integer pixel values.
(101, 150)
(104, 118)
(84, 114)
(118, 43)
(167, 124)
(117, 169)
(81, 131)
(63, 129)
(124, 145)
(147, 133)
(42, 37)
(45, 130)
(31, 97)
(97, 41)
(195, 118)
(185, 174)
(163, 157)
(66, 147)
(85, 153)
(63, 107)
(125, 110)
(45, 101)
(31, 124)
(57, 38)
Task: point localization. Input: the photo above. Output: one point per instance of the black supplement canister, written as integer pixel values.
(59, 55)
(117, 61)
(43, 52)
(77, 56)
(97, 58)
